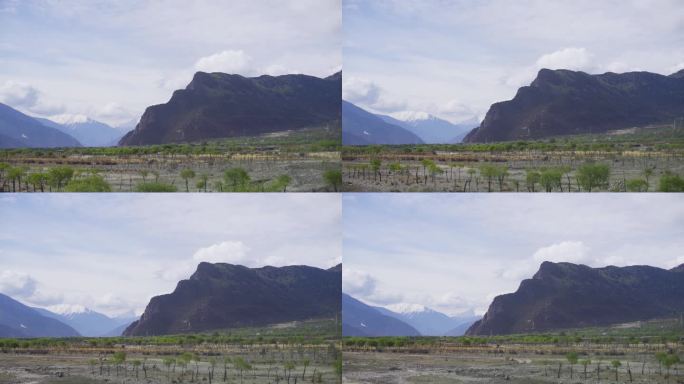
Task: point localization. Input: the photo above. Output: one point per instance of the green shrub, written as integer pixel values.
(92, 183)
(155, 187)
(670, 182)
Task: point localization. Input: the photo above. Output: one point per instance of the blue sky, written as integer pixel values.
(454, 252)
(454, 58)
(111, 59)
(112, 253)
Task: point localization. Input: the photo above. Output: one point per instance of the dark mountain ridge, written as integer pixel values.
(18, 130)
(565, 295)
(220, 296)
(360, 127)
(217, 105)
(360, 319)
(563, 102)
(19, 320)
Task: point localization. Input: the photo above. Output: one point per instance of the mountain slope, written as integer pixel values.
(565, 295)
(18, 320)
(562, 102)
(18, 130)
(431, 129)
(89, 132)
(360, 127)
(359, 319)
(430, 322)
(221, 296)
(88, 322)
(216, 105)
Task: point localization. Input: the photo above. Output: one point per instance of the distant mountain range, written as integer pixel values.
(222, 296)
(219, 105)
(21, 321)
(88, 322)
(563, 102)
(360, 319)
(431, 129)
(360, 127)
(89, 132)
(565, 295)
(18, 130)
(430, 322)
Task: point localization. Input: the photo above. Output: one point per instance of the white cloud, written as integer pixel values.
(565, 251)
(228, 61)
(368, 94)
(572, 58)
(17, 284)
(232, 252)
(358, 90)
(357, 283)
(23, 287)
(676, 262)
(18, 94)
(25, 97)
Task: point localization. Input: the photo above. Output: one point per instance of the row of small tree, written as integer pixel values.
(192, 367)
(587, 177)
(65, 178)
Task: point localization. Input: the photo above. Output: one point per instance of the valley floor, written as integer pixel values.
(468, 172)
(479, 367)
(55, 368)
(125, 173)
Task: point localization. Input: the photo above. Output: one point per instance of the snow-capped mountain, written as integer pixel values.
(89, 132)
(428, 321)
(431, 129)
(86, 321)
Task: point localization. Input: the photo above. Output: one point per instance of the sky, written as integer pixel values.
(454, 58)
(111, 59)
(454, 253)
(112, 253)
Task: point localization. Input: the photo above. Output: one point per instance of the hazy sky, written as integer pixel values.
(454, 252)
(455, 58)
(111, 59)
(113, 252)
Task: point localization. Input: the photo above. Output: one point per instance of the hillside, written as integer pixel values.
(219, 105)
(565, 295)
(359, 319)
(19, 320)
(18, 130)
(563, 102)
(89, 132)
(360, 127)
(221, 296)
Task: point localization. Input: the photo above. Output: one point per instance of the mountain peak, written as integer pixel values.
(678, 75)
(566, 295)
(564, 102)
(410, 116)
(408, 308)
(68, 119)
(221, 296)
(68, 309)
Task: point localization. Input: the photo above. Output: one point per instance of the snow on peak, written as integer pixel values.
(68, 309)
(413, 116)
(406, 308)
(67, 119)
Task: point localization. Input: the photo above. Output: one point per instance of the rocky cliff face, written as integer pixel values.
(221, 296)
(565, 295)
(217, 105)
(562, 102)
